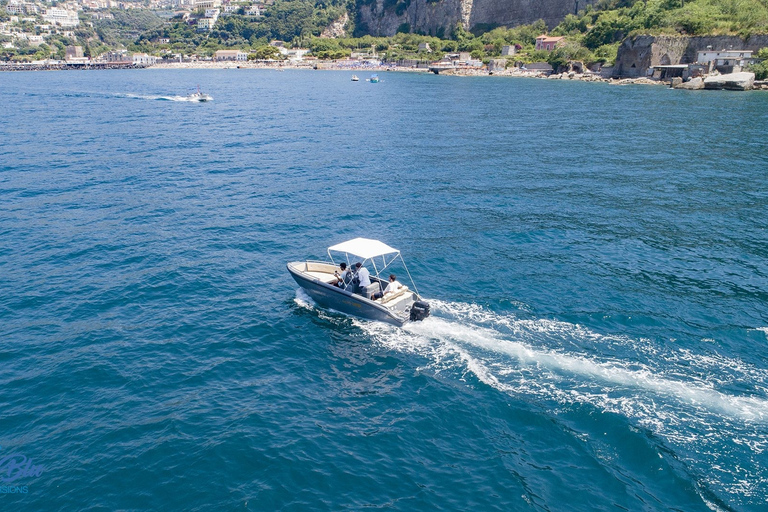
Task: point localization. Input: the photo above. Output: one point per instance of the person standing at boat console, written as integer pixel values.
(363, 277)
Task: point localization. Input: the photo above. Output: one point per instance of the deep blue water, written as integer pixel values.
(596, 258)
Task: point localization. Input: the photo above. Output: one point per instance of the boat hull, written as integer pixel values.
(335, 298)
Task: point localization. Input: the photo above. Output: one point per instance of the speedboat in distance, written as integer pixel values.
(332, 287)
(199, 96)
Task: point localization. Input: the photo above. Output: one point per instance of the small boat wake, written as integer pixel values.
(188, 99)
(693, 401)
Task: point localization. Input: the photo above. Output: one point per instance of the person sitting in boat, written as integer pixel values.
(362, 276)
(344, 277)
(392, 287)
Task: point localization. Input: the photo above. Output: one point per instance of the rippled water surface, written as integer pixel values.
(596, 258)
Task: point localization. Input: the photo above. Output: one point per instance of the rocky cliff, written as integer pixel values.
(438, 17)
(639, 53)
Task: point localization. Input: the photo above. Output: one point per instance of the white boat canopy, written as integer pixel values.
(366, 248)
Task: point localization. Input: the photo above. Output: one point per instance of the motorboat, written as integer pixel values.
(199, 96)
(330, 289)
(354, 78)
(374, 79)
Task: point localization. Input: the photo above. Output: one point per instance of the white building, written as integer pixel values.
(237, 55)
(725, 61)
(14, 7)
(294, 54)
(205, 23)
(34, 40)
(207, 4)
(143, 59)
(705, 56)
(61, 17)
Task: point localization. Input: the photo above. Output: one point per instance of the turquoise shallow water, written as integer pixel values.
(595, 257)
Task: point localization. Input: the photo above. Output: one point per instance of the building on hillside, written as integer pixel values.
(73, 52)
(546, 43)
(293, 54)
(34, 40)
(508, 50)
(725, 61)
(61, 17)
(207, 4)
(14, 7)
(237, 55)
(205, 24)
(424, 47)
(253, 10)
(31, 8)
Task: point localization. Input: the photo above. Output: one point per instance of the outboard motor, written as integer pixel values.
(419, 310)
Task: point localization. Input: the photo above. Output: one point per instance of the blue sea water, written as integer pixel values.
(596, 258)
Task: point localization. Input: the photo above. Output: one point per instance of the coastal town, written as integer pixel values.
(41, 36)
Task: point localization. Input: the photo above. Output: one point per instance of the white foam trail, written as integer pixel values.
(747, 408)
(553, 365)
(162, 98)
(303, 299)
(674, 393)
(453, 342)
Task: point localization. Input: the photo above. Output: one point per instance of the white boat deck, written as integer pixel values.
(322, 276)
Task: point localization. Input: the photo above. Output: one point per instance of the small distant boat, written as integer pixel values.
(199, 96)
(354, 78)
(374, 79)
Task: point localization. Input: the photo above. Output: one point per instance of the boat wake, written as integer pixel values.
(567, 363)
(160, 98)
(693, 401)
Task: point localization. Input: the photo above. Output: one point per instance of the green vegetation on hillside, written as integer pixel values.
(592, 36)
(126, 26)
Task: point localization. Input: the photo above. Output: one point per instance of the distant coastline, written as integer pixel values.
(459, 71)
(465, 72)
(361, 69)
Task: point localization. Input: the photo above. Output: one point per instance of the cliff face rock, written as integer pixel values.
(383, 18)
(637, 54)
(510, 13)
(420, 15)
(337, 28)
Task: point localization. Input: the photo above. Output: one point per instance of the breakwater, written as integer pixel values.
(64, 66)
